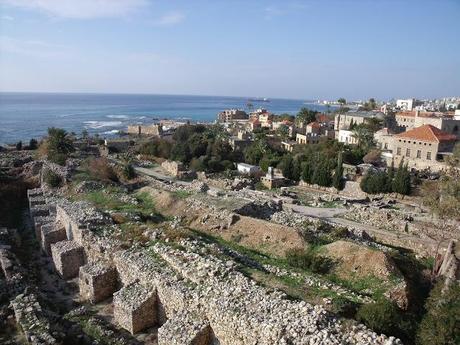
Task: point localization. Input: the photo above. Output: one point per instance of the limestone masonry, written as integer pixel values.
(192, 298)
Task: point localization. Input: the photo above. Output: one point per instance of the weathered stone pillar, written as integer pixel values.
(134, 307)
(68, 256)
(97, 282)
(49, 234)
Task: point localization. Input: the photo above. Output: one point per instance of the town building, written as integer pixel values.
(247, 169)
(347, 137)
(423, 147)
(352, 118)
(240, 141)
(405, 104)
(229, 115)
(271, 180)
(307, 138)
(383, 138)
(408, 120)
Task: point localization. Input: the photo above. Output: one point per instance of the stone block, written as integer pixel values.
(34, 192)
(97, 282)
(39, 210)
(36, 200)
(38, 222)
(68, 256)
(134, 307)
(51, 233)
(186, 329)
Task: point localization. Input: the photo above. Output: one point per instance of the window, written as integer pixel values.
(428, 156)
(398, 151)
(407, 152)
(419, 154)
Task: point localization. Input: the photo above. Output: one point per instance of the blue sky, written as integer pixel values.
(292, 49)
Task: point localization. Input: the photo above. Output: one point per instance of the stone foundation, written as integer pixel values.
(49, 234)
(97, 282)
(68, 256)
(40, 210)
(38, 222)
(186, 329)
(134, 308)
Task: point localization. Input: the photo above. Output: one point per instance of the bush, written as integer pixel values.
(308, 260)
(376, 182)
(441, 324)
(52, 179)
(33, 144)
(382, 316)
(100, 169)
(344, 307)
(58, 158)
(128, 171)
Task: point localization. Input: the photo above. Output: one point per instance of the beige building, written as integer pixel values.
(344, 121)
(407, 120)
(422, 147)
(307, 138)
(347, 137)
(229, 115)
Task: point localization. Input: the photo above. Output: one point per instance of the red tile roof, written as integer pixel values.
(314, 124)
(427, 133)
(323, 118)
(420, 114)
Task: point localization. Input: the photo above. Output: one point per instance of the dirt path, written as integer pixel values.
(425, 245)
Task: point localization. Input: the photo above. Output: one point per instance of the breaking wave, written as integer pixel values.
(102, 124)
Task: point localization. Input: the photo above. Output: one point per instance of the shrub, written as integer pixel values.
(382, 316)
(19, 145)
(58, 158)
(308, 260)
(52, 179)
(33, 144)
(100, 169)
(441, 324)
(344, 307)
(376, 182)
(128, 171)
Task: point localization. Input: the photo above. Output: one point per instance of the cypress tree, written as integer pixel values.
(401, 182)
(307, 172)
(322, 175)
(338, 173)
(296, 169)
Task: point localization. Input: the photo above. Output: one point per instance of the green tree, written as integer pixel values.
(401, 182)
(307, 172)
(342, 101)
(306, 116)
(287, 167)
(283, 132)
(337, 181)
(364, 137)
(19, 145)
(296, 169)
(375, 183)
(58, 145)
(322, 175)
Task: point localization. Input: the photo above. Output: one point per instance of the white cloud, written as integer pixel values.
(81, 9)
(170, 19)
(8, 18)
(32, 48)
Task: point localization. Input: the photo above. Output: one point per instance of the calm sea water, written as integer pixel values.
(28, 115)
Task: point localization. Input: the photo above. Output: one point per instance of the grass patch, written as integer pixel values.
(181, 194)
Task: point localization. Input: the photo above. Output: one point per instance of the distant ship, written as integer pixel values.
(258, 100)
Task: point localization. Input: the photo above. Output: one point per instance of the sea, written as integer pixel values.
(28, 115)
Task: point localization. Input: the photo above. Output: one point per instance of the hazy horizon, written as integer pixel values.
(293, 50)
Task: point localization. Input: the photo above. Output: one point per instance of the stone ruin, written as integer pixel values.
(190, 298)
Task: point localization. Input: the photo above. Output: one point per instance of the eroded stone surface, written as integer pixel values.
(68, 256)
